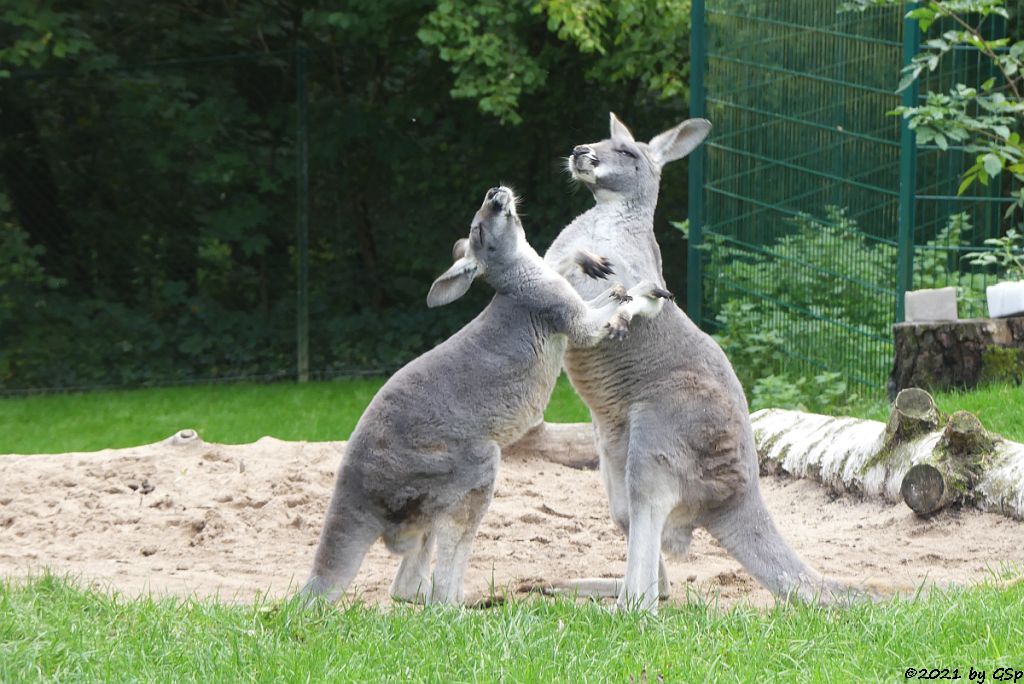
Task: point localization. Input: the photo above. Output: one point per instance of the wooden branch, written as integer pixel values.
(913, 414)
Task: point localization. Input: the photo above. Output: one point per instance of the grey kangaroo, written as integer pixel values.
(420, 467)
(670, 418)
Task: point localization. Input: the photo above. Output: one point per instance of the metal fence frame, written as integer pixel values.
(924, 197)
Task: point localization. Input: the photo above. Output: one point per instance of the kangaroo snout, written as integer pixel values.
(583, 161)
(499, 198)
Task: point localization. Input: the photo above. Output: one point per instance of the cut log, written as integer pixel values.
(953, 468)
(917, 457)
(914, 413)
(570, 444)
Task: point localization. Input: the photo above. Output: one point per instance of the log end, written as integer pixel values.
(913, 414)
(965, 436)
(924, 489)
(916, 403)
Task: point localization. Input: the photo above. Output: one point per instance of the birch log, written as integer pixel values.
(919, 456)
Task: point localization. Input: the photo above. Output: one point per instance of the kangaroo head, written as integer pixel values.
(620, 168)
(496, 241)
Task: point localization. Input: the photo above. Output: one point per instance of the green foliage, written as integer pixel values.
(774, 304)
(41, 36)
(825, 392)
(801, 305)
(1007, 255)
(148, 161)
(984, 118)
(491, 61)
(493, 50)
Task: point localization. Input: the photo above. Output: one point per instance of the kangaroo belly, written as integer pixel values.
(614, 374)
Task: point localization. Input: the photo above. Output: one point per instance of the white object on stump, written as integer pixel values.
(930, 305)
(920, 457)
(1005, 299)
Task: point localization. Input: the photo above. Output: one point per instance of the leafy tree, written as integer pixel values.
(984, 118)
(148, 171)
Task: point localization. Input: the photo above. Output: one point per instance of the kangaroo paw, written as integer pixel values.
(593, 265)
(619, 293)
(618, 326)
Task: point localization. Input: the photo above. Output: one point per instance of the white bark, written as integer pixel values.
(859, 456)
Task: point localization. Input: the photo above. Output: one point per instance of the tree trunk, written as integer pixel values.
(919, 456)
(957, 354)
(571, 444)
(33, 192)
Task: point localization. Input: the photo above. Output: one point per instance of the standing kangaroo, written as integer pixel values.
(671, 421)
(420, 466)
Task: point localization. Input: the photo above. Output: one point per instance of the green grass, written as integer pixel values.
(315, 411)
(1000, 407)
(229, 414)
(52, 630)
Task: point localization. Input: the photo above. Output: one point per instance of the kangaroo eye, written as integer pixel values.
(628, 153)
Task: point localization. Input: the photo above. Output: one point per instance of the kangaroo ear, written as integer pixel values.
(618, 129)
(453, 283)
(460, 248)
(676, 143)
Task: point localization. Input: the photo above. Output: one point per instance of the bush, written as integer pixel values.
(811, 314)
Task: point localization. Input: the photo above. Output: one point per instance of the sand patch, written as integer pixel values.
(233, 520)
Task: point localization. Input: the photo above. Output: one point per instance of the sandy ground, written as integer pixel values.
(211, 519)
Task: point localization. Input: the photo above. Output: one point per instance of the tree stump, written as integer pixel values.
(956, 354)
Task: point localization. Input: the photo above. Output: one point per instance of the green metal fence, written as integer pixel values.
(812, 211)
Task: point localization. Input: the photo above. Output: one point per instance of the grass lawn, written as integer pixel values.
(315, 411)
(52, 630)
(229, 414)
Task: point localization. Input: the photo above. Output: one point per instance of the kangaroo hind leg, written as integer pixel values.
(412, 582)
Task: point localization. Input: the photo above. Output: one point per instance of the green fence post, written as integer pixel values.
(694, 270)
(302, 214)
(908, 175)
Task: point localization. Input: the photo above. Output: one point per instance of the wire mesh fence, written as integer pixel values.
(818, 211)
(264, 216)
(155, 210)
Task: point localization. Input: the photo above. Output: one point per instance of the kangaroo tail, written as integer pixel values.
(344, 541)
(746, 530)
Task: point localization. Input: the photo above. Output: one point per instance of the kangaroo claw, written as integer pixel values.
(619, 293)
(593, 265)
(618, 327)
(662, 293)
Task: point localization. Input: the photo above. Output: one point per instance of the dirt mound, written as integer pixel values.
(187, 517)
